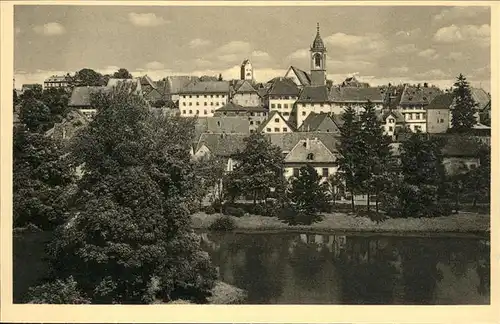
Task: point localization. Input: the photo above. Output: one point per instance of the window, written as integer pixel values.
(184, 112)
(190, 103)
(279, 106)
(276, 129)
(273, 106)
(205, 112)
(268, 130)
(285, 129)
(197, 103)
(252, 114)
(183, 103)
(211, 96)
(285, 97)
(218, 123)
(258, 122)
(303, 113)
(197, 96)
(216, 96)
(190, 112)
(390, 129)
(222, 96)
(184, 97)
(204, 96)
(442, 120)
(391, 120)
(189, 96)
(212, 111)
(310, 156)
(276, 120)
(211, 104)
(295, 172)
(325, 172)
(285, 105)
(321, 105)
(286, 113)
(304, 105)
(205, 103)
(217, 103)
(251, 122)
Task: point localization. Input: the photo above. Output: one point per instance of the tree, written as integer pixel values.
(259, 167)
(463, 119)
(478, 181)
(57, 292)
(87, 77)
(130, 240)
(336, 186)
(35, 115)
(211, 171)
(220, 77)
(35, 92)
(57, 100)
(41, 176)
(307, 196)
(349, 150)
(375, 153)
(122, 74)
(15, 98)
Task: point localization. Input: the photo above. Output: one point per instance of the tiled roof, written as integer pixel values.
(318, 44)
(245, 62)
(222, 144)
(57, 78)
(146, 80)
(304, 77)
(396, 114)
(305, 147)
(273, 114)
(314, 94)
(244, 87)
(176, 83)
(69, 126)
(206, 87)
(353, 82)
(319, 123)
(287, 141)
(352, 94)
(223, 124)
(442, 101)
(80, 97)
(161, 87)
(481, 97)
(283, 86)
(418, 95)
(231, 106)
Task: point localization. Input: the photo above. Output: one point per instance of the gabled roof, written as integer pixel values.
(244, 87)
(283, 86)
(305, 147)
(418, 95)
(273, 114)
(442, 101)
(80, 97)
(223, 124)
(231, 106)
(206, 87)
(287, 141)
(352, 94)
(319, 123)
(246, 61)
(314, 94)
(69, 126)
(481, 97)
(396, 114)
(146, 80)
(161, 87)
(222, 144)
(353, 82)
(303, 77)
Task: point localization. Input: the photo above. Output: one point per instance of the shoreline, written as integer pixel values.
(458, 225)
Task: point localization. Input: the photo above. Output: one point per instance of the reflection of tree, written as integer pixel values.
(366, 281)
(307, 262)
(261, 276)
(483, 269)
(420, 274)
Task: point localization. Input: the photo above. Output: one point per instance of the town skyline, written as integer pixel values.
(419, 44)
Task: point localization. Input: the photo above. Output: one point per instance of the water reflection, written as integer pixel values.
(338, 269)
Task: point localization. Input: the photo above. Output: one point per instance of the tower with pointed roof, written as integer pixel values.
(318, 60)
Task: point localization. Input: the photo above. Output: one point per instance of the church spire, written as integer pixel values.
(317, 28)
(318, 44)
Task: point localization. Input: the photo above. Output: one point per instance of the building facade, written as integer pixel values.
(56, 81)
(202, 98)
(246, 70)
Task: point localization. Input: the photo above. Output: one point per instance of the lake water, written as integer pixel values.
(339, 269)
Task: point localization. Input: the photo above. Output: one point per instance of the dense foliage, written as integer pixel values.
(129, 239)
(464, 107)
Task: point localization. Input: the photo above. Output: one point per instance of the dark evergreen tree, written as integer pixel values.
(462, 118)
(122, 74)
(307, 196)
(259, 168)
(349, 149)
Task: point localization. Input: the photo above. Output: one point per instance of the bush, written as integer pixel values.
(293, 217)
(57, 292)
(209, 210)
(234, 211)
(372, 215)
(224, 223)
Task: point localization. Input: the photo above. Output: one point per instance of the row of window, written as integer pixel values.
(283, 98)
(204, 96)
(415, 116)
(277, 130)
(204, 104)
(257, 122)
(273, 106)
(197, 112)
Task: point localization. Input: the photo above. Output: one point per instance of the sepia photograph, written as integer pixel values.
(250, 155)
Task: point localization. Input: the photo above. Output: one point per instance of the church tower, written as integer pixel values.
(246, 70)
(318, 61)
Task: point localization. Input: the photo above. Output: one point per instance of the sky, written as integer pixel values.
(377, 44)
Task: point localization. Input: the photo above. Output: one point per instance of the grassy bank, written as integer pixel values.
(341, 222)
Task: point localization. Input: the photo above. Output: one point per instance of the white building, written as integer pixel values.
(202, 98)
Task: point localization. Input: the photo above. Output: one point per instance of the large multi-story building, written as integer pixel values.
(244, 94)
(56, 81)
(202, 98)
(282, 95)
(413, 103)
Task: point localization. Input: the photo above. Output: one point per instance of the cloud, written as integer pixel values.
(468, 33)
(348, 65)
(229, 58)
(399, 70)
(155, 65)
(260, 56)
(372, 44)
(429, 53)
(405, 49)
(235, 47)
(198, 42)
(455, 13)
(410, 33)
(146, 19)
(50, 29)
(457, 56)
(431, 74)
(299, 54)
